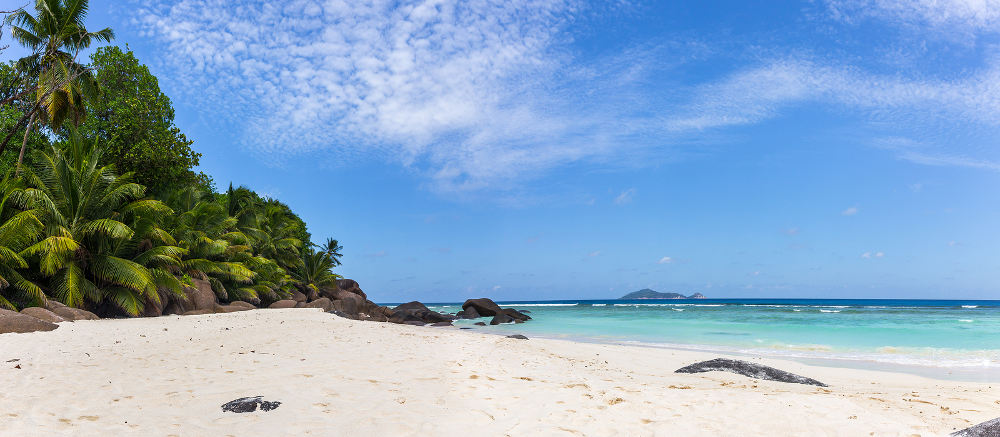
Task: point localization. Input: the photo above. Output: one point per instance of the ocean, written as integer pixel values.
(954, 339)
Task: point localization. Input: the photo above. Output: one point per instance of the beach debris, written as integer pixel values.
(249, 405)
(465, 327)
(751, 370)
(15, 322)
(518, 336)
(986, 429)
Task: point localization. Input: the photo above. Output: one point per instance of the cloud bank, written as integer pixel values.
(482, 94)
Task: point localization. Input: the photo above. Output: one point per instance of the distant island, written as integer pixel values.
(646, 293)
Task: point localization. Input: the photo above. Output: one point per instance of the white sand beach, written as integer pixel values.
(170, 375)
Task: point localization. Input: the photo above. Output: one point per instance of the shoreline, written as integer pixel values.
(943, 373)
(170, 375)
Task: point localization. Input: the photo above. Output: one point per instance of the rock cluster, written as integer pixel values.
(345, 299)
(752, 370)
(483, 307)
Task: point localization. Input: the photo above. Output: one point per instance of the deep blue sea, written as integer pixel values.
(941, 338)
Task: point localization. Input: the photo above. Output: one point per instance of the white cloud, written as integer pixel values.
(481, 94)
(869, 255)
(866, 255)
(850, 211)
(665, 260)
(472, 93)
(972, 14)
(496, 287)
(957, 118)
(625, 197)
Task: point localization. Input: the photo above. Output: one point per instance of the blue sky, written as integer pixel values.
(544, 149)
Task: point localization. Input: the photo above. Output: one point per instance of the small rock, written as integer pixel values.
(480, 323)
(249, 405)
(518, 336)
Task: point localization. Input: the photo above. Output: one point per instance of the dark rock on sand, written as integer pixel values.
(287, 303)
(465, 327)
(351, 286)
(986, 429)
(342, 314)
(404, 317)
(347, 302)
(234, 307)
(752, 370)
(418, 311)
(501, 318)
(468, 313)
(483, 306)
(201, 297)
(480, 324)
(43, 314)
(442, 324)
(414, 323)
(321, 303)
(516, 315)
(518, 336)
(249, 405)
(15, 322)
(299, 296)
(199, 312)
(73, 314)
(411, 306)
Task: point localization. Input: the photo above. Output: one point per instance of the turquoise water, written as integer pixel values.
(938, 338)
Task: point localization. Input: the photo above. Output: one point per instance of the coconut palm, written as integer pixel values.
(332, 247)
(55, 37)
(19, 229)
(103, 243)
(316, 269)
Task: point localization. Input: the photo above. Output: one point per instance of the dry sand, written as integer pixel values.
(170, 375)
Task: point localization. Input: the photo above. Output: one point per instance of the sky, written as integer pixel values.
(561, 149)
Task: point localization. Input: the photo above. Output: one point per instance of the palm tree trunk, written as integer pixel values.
(24, 144)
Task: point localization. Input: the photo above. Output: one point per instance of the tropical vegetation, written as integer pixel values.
(101, 206)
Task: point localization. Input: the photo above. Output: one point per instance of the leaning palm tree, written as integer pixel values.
(19, 228)
(92, 251)
(55, 37)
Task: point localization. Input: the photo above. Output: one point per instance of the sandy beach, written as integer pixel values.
(170, 375)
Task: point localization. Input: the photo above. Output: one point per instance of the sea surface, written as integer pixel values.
(954, 339)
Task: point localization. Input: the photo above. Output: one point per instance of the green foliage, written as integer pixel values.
(135, 123)
(55, 36)
(12, 117)
(20, 228)
(82, 223)
(103, 242)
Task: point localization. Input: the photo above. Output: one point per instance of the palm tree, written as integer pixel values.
(316, 269)
(19, 229)
(55, 37)
(103, 241)
(333, 248)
